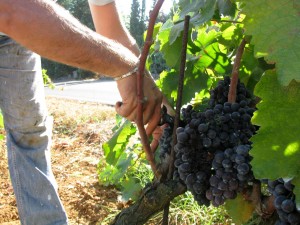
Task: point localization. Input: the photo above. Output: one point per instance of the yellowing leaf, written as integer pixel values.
(239, 209)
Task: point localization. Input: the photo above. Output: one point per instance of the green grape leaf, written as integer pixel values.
(117, 144)
(110, 175)
(205, 13)
(239, 209)
(195, 80)
(226, 7)
(212, 57)
(275, 34)
(188, 7)
(276, 146)
(130, 189)
(171, 51)
(296, 182)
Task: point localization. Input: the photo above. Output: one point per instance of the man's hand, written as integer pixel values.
(152, 101)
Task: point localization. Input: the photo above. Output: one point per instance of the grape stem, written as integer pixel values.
(235, 72)
(140, 93)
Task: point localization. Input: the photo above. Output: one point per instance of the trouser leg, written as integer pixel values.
(28, 129)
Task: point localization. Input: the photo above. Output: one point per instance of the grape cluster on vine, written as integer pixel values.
(212, 152)
(284, 202)
(208, 134)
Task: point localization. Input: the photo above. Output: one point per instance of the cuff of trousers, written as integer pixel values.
(100, 2)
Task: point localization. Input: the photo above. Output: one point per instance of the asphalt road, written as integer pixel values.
(104, 92)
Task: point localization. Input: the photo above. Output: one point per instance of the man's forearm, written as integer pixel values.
(52, 32)
(108, 23)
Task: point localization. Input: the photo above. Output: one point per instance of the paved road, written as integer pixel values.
(104, 92)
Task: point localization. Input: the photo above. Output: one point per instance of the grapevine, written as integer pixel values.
(229, 137)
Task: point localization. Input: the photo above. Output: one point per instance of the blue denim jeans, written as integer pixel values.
(29, 129)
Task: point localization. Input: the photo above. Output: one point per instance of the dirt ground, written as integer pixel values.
(80, 128)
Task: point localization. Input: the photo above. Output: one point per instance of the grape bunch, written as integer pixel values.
(212, 150)
(232, 172)
(284, 202)
(193, 163)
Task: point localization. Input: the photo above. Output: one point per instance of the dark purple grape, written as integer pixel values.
(201, 176)
(224, 136)
(214, 181)
(243, 103)
(294, 218)
(282, 215)
(179, 130)
(228, 152)
(243, 169)
(198, 188)
(216, 192)
(185, 167)
(233, 185)
(243, 150)
(203, 127)
(182, 137)
(227, 177)
(278, 201)
(227, 164)
(219, 173)
(209, 114)
(246, 118)
(229, 194)
(222, 186)
(206, 142)
(239, 159)
(235, 116)
(280, 189)
(219, 200)
(209, 195)
(219, 157)
(288, 205)
(211, 134)
(177, 162)
(190, 179)
(235, 106)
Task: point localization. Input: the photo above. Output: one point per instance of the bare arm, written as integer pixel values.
(108, 23)
(51, 31)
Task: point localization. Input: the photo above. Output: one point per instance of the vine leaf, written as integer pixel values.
(114, 148)
(239, 209)
(275, 34)
(195, 80)
(276, 146)
(131, 189)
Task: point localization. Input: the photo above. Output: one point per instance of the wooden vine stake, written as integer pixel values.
(140, 92)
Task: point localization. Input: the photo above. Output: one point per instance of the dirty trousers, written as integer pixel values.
(28, 131)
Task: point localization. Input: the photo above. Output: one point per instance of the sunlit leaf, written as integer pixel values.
(275, 33)
(117, 144)
(276, 146)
